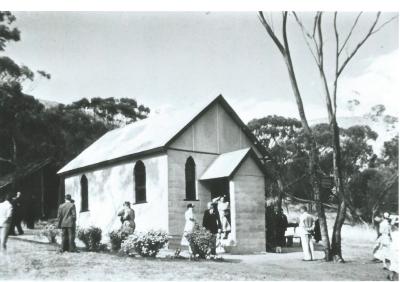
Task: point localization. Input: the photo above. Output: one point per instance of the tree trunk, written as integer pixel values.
(309, 137)
(313, 158)
(42, 194)
(14, 159)
(342, 206)
(61, 191)
(281, 192)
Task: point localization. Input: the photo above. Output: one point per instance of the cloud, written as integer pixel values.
(377, 84)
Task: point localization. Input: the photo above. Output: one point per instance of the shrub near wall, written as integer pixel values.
(145, 244)
(200, 240)
(118, 236)
(91, 237)
(50, 231)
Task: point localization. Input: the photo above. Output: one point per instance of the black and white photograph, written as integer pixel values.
(199, 145)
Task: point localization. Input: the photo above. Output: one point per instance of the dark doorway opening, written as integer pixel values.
(219, 188)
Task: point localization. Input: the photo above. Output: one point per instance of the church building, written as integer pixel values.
(164, 162)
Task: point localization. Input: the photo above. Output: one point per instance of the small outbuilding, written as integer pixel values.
(162, 163)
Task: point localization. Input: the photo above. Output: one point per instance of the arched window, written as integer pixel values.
(190, 176)
(140, 182)
(84, 194)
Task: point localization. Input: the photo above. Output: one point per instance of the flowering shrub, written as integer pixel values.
(201, 241)
(117, 236)
(91, 237)
(50, 231)
(145, 244)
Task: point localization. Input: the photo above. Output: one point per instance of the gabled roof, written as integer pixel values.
(25, 171)
(147, 136)
(225, 164)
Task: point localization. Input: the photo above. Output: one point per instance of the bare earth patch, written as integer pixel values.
(27, 260)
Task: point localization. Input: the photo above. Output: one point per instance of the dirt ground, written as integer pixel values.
(28, 260)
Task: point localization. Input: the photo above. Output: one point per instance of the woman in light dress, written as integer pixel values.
(394, 253)
(189, 225)
(382, 249)
(224, 215)
(127, 215)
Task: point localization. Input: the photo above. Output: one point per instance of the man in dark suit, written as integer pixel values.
(212, 223)
(66, 221)
(17, 215)
(281, 224)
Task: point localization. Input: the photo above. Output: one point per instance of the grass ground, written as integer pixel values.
(28, 260)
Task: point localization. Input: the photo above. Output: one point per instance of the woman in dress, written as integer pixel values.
(224, 214)
(189, 225)
(127, 215)
(384, 240)
(394, 253)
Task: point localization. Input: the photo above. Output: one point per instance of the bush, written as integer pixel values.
(50, 231)
(118, 236)
(145, 244)
(201, 241)
(91, 237)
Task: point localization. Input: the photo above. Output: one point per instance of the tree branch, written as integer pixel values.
(370, 32)
(337, 55)
(383, 24)
(306, 34)
(350, 33)
(271, 32)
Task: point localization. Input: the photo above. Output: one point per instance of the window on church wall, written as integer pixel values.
(190, 177)
(140, 182)
(84, 194)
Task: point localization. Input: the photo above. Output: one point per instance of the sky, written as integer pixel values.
(169, 60)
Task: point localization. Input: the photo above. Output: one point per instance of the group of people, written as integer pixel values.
(387, 246)
(67, 222)
(216, 219)
(10, 218)
(307, 228)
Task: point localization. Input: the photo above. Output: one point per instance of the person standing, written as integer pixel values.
(189, 225)
(212, 223)
(127, 216)
(73, 231)
(306, 228)
(17, 215)
(224, 215)
(281, 224)
(66, 221)
(6, 210)
(394, 254)
(384, 240)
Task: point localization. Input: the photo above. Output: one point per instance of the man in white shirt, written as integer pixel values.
(306, 228)
(5, 221)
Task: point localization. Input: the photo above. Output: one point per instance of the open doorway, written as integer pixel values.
(219, 188)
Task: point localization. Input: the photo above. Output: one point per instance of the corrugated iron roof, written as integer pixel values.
(147, 134)
(225, 164)
(24, 171)
(152, 134)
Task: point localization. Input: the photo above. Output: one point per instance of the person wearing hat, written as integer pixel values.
(189, 225)
(66, 221)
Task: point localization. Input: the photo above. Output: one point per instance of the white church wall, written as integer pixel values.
(111, 186)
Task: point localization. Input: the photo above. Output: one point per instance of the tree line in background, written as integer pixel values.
(30, 132)
(370, 179)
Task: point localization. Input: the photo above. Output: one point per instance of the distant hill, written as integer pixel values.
(385, 132)
(49, 104)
